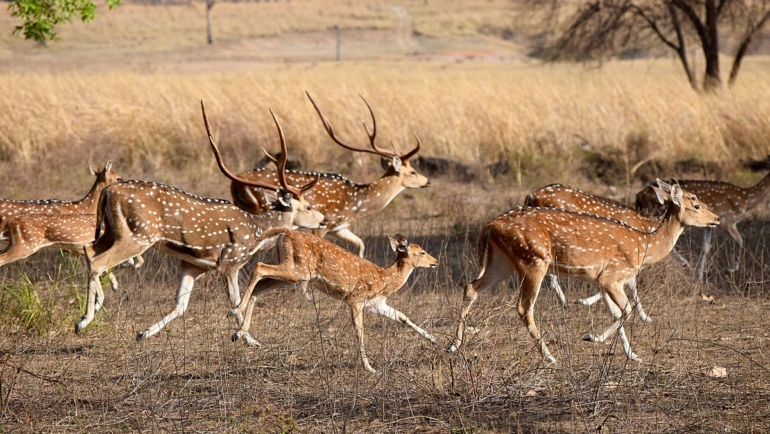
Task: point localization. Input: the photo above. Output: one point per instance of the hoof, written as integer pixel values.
(231, 313)
(139, 336)
(235, 336)
(78, 329)
(590, 338)
(451, 348)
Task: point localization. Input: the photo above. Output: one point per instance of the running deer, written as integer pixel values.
(572, 199)
(87, 205)
(341, 200)
(27, 226)
(730, 202)
(359, 283)
(206, 234)
(534, 241)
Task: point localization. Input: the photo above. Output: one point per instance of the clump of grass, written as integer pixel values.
(20, 306)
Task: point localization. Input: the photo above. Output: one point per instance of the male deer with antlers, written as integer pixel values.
(573, 199)
(534, 241)
(730, 202)
(27, 226)
(205, 233)
(340, 200)
(344, 276)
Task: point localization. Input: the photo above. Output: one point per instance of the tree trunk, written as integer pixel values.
(209, 25)
(711, 79)
(743, 47)
(681, 47)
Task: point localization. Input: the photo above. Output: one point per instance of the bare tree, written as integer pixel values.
(209, 25)
(596, 28)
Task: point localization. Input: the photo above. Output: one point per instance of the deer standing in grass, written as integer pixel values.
(572, 199)
(730, 202)
(361, 284)
(27, 226)
(534, 241)
(340, 200)
(206, 234)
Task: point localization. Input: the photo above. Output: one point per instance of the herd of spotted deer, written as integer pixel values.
(559, 230)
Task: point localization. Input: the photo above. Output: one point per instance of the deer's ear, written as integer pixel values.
(403, 244)
(663, 185)
(662, 196)
(108, 166)
(91, 168)
(677, 194)
(283, 201)
(393, 243)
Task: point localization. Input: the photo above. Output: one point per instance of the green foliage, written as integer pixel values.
(20, 304)
(40, 17)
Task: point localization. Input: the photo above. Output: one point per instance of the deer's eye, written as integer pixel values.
(309, 207)
(422, 253)
(696, 206)
(413, 172)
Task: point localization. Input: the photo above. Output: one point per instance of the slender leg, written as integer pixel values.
(531, 279)
(615, 292)
(736, 236)
(382, 308)
(637, 302)
(357, 316)
(189, 274)
(704, 252)
(497, 269)
(681, 258)
(590, 300)
(347, 235)
(553, 281)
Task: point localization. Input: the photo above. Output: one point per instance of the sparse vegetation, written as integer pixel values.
(132, 95)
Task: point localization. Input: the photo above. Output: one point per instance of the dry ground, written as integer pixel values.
(307, 376)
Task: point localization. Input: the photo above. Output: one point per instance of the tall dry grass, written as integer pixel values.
(542, 119)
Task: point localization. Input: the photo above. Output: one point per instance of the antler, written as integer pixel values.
(221, 163)
(281, 164)
(372, 135)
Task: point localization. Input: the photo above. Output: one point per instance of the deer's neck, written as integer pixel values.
(758, 192)
(370, 199)
(272, 219)
(658, 244)
(395, 276)
(89, 202)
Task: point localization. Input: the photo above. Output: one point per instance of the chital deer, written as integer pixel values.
(534, 241)
(68, 225)
(572, 199)
(206, 234)
(730, 202)
(28, 233)
(87, 205)
(361, 284)
(340, 200)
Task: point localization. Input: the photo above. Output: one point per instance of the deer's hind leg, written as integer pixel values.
(495, 268)
(621, 311)
(531, 277)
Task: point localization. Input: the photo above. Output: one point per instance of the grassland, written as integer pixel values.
(127, 88)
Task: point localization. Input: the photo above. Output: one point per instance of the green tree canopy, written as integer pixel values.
(41, 17)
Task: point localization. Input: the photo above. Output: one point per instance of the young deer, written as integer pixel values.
(340, 200)
(572, 199)
(206, 234)
(534, 241)
(730, 202)
(361, 284)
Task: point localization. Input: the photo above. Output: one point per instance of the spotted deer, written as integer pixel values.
(730, 202)
(206, 234)
(341, 200)
(573, 199)
(87, 205)
(27, 226)
(359, 283)
(534, 241)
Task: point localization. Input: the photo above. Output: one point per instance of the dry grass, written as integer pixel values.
(307, 377)
(534, 116)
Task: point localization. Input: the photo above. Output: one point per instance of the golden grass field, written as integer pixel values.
(128, 88)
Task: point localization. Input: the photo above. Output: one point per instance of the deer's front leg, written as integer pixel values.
(189, 274)
(382, 308)
(357, 316)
